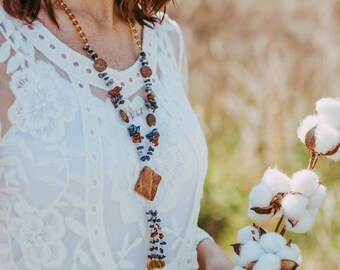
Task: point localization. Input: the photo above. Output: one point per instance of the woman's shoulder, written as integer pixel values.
(168, 24)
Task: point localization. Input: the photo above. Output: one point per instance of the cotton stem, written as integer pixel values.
(279, 224)
(313, 160)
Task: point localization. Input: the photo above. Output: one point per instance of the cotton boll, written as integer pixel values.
(260, 196)
(318, 197)
(286, 254)
(336, 156)
(276, 181)
(303, 225)
(305, 182)
(251, 251)
(299, 261)
(296, 250)
(326, 138)
(294, 205)
(247, 234)
(257, 217)
(268, 262)
(306, 125)
(329, 109)
(272, 242)
(237, 259)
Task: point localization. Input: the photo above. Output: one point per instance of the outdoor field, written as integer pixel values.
(256, 70)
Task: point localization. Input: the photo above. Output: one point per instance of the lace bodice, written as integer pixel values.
(68, 167)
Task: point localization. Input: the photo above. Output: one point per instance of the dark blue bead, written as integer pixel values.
(94, 56)
(102, 75)
(86, 47)
(109, 83)
(142, 54)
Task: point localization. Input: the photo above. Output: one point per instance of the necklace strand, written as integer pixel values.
(148, 176)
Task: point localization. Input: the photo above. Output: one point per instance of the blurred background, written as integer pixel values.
(256, 69)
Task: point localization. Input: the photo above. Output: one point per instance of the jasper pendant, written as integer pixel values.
(148, 183)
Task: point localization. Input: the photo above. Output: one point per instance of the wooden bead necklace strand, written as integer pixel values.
(148, 176)
(116, 97)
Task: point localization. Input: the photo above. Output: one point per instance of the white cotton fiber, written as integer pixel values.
(336, 156)
(246, 234)
(329, 109)
(294, 205)
(326, 138)
(250, 251)
(272, 242)
(260, 196)
(286, 254)
(296, 251)
(306, 125)
(276, 181)
(237, 259)
(257, 217)
(268, 262)
(317, 199)
(305, 182)
(299, 261)
(304, 224)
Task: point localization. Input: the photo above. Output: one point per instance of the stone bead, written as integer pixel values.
(146, 71)
(148, 183)
(115, 91)
(151, 119)
(124, 116)
(100, 64)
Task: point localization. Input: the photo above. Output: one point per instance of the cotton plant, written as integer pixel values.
(296, 199)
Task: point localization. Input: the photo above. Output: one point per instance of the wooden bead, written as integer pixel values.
(155, 264)
(151, 119)
(78, 28)
(124, 116)
(100, 64)
(146, 71)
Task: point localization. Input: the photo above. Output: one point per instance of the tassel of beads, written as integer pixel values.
(156, 256)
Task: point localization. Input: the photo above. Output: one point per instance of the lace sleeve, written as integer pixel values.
(178, 44)
(201, 235)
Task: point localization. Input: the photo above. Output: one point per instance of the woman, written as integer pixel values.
(102, 160)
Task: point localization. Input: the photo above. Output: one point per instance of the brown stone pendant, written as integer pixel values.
(148, 183)
(100, 64)
(151, 119)
(146, 71)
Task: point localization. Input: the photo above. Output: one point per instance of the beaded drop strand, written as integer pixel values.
(148, 181)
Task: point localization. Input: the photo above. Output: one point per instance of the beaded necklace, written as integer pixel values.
(148, 181)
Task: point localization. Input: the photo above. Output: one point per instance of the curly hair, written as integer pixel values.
(143, 11)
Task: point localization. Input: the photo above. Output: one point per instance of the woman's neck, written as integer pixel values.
(104, 13)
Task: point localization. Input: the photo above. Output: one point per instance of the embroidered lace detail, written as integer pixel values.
(42, 106)
(39, 235)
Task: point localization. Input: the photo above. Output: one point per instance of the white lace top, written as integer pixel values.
(67, 164)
